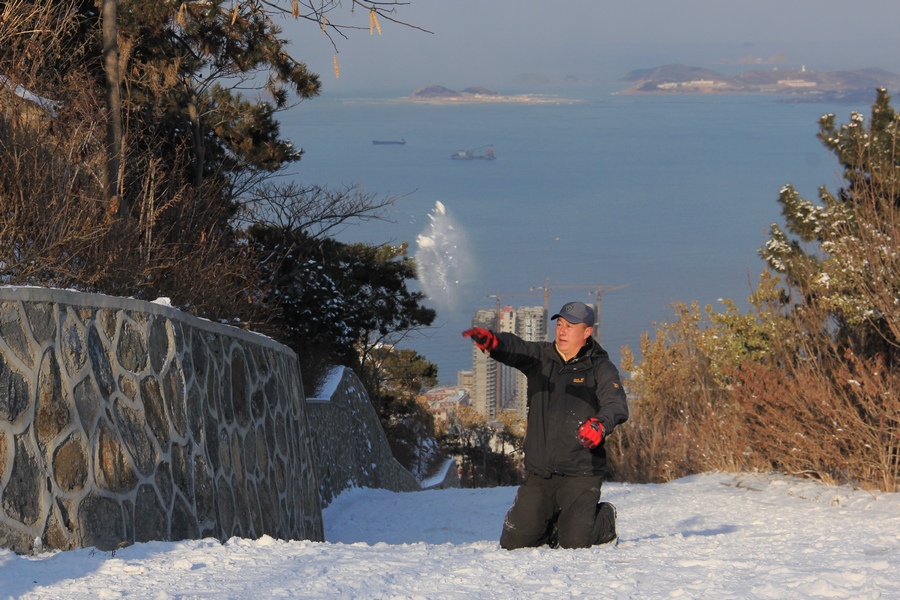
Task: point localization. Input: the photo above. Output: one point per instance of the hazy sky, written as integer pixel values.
(497, 42)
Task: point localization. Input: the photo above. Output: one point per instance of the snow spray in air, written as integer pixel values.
(441, 258)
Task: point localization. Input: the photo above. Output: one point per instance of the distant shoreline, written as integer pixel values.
(438, 94)
(795, 85)
(467, 99)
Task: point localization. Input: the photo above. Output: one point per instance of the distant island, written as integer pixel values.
(438, 94)
(850, 85)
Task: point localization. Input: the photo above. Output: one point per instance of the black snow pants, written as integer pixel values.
(538, 502)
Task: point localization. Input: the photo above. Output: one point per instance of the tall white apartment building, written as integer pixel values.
(484, 370)
(531, 325)
(497, 387)
(507, 377)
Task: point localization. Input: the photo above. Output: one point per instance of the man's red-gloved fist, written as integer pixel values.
(590, 433)
(485, 340)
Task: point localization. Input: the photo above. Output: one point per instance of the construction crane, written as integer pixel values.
(499, 297)
(598, 290)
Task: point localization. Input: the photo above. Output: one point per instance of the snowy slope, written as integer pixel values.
(707, 536)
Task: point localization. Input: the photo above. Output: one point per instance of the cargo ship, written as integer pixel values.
(483, 153)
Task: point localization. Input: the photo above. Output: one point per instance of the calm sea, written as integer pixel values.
(656, 199)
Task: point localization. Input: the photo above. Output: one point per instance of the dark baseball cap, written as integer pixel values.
(576, 312)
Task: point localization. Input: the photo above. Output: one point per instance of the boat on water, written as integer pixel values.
(482, 153)
(399, 142)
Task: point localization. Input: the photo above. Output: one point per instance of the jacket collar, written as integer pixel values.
(590, 349)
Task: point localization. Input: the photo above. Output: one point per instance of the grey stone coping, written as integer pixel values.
(11, 293)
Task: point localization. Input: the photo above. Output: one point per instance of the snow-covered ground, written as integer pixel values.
(706, 536)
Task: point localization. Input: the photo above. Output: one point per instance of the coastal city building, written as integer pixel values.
(796, 83)
(484, 370)
(465, 379)
(531, 325)
(443, 401)
(495, 387)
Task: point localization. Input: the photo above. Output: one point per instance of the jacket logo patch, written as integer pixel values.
(578, 380)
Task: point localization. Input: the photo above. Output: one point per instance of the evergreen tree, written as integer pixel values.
(843, 254)
(339, 303)
(404, 375)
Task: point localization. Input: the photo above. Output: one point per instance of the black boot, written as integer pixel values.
(605, 524)
(553, 531)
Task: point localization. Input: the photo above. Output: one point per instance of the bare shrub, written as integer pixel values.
(683, 419)
(47, 194)
(834, 417)
(56, 231)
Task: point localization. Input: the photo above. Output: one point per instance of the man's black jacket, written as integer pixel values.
(561, 396)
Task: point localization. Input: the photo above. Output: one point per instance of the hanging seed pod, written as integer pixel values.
(373, 22)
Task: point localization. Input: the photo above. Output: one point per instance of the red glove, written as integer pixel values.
(590, 433)
(484, 340)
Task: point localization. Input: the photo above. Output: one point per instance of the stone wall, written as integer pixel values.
(350, 444)
(125, 421)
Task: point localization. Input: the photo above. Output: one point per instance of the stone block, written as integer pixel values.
(131, 350)
(115, 473)
(152, 519)
(14, 394)
(130, 422)
(70, 463)
(101, 523)
(183, 522)
(73, 346)
(87, 403)
(163, 481)
(41, 316)
(53, 413)
(155, 410)
(12, 332)
(158, 344)
(173, 395)
(101, 364)
(23, 493)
